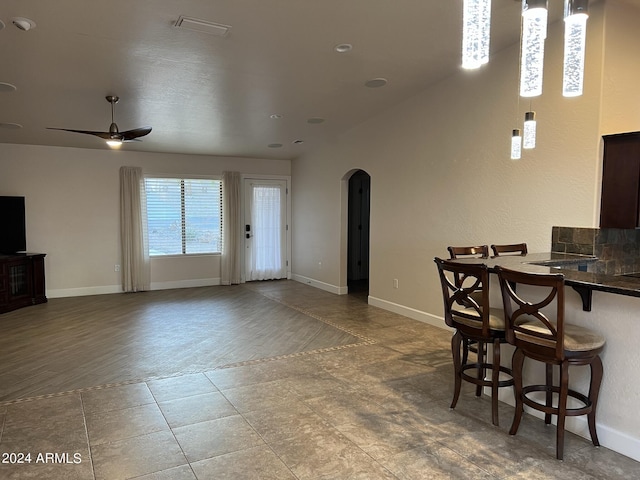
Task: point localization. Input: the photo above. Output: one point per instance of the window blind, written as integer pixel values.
(184, 215)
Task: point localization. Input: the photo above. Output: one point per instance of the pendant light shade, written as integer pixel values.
(516, 144)
(534, 33)
(575, 36)
(529, 136)
(476, 22)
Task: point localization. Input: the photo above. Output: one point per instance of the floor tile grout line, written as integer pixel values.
(171, 429)
(326, 424)
(341, 434)
(4, 422)
(467, 459)
(86, 434)
(263, 439)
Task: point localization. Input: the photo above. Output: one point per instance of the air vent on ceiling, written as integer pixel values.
(203, 26)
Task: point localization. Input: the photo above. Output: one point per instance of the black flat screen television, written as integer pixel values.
(13, 231)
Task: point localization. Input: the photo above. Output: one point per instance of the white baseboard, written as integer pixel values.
(619, 442)
(419, 315)
(84, 291)
(197, 282)
(109, 289)
(610, 438)
(321, 285)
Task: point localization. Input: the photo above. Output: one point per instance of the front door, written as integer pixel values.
(265, 229)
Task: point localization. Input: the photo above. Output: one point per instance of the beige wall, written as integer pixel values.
(441, 175)
(72, 201)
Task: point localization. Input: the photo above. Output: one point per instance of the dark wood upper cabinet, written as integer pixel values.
(620, 203)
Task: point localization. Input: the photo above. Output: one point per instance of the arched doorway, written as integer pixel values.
(359, 199)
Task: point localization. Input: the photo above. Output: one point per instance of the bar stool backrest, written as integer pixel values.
(465, 288)
(481, 251)
(516, 248)
(533, 321)
(478, 251)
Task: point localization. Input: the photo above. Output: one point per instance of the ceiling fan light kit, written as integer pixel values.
(114, 137)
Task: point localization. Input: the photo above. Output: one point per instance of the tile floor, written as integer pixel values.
(375, 410)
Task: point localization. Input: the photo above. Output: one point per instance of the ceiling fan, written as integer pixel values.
(114, 137)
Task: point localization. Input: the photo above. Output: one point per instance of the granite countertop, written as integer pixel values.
(573, 267)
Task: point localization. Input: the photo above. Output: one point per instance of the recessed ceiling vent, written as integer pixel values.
(202, 26)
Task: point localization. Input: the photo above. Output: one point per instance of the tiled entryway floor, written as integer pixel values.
(374, 409)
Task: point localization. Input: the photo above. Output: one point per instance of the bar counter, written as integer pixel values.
(575, 269)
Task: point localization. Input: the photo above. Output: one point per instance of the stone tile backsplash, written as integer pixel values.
(617, 250)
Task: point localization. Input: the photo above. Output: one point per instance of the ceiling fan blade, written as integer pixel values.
(135, 133)
(105, 135)
(113, 136)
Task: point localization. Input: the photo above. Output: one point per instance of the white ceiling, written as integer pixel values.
(210, 95)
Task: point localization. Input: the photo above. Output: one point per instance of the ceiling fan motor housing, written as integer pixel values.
(113, 128)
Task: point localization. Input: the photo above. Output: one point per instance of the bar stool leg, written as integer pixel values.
(481, 370)
(562, 409)
(465, 351)
(594, 390)
(495, 377)
(516, 367)
(456, 341)
(549, 399)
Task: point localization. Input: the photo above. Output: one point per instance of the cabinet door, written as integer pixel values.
(19, 276)
(4, 286)
(620, 181)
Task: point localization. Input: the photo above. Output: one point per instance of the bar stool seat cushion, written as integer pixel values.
(496, 318)
(576, 338)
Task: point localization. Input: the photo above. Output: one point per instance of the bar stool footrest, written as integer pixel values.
(571, 412)
(482, 382)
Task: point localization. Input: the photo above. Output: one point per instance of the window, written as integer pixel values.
(184, 215)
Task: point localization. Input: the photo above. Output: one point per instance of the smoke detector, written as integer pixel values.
(376, 83)
(23, 23)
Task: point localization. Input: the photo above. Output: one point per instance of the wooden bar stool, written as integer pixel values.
(513, 249)
(477, 251)
(473, 321)
(551, 341)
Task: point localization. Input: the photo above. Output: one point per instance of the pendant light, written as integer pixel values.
(529, 136)
(575, 37)
(476, 23)
(516, 144)
(534, 33)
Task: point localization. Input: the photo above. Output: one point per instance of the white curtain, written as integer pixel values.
(231, 264)
(266, 261)
(135, 269)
